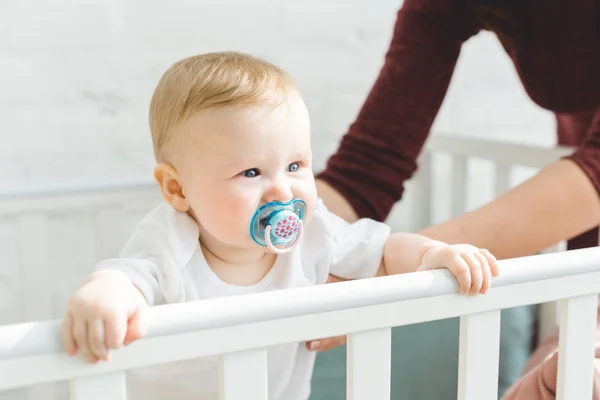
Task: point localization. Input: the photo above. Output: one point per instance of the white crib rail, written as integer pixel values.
(239, 328)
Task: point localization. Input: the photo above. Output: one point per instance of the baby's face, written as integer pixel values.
(239, 159)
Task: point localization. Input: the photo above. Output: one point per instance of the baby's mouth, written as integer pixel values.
(261, 223)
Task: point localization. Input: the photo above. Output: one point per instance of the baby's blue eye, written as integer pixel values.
(251, 173)
(293, 167)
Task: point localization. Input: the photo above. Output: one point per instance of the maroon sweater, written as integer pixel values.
(555, 48)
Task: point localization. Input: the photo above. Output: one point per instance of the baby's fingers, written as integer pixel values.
(96, 339)
(68, 336)
(137, 326)
(115, 330)
(492, 261)
(485, 273)
(460, 269)
(80, 330)
(475, 272)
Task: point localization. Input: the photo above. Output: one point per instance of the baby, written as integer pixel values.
(241, 215)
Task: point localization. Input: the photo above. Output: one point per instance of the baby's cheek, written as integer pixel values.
(233, 224)
(226, 215)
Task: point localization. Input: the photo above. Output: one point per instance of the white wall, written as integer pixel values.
(76, 77)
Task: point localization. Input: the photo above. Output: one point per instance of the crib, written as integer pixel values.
(51, 239)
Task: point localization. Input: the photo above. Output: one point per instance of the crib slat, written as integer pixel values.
(459, 185)
(243, 375)
(502, 178)
(35, 275)
(577, 336)
(479, 356)
(369, 365)
(423, 177)
(99, 387)
(36, 291)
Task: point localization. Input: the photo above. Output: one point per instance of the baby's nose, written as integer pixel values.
(279, 192)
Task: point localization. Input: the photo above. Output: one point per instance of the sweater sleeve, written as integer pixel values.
(587, 156)
(379, 151)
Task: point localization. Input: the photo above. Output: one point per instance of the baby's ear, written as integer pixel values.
(168, 181)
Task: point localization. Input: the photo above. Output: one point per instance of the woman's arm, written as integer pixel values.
(379, 151)
(335, 202)
(558, 203)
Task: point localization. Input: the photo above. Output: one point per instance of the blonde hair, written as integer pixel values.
(212, 80)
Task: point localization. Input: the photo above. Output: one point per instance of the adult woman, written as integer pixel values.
(555, 48)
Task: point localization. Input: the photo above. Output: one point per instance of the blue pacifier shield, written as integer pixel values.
(283, 218)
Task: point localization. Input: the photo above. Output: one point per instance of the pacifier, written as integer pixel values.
(277, 223)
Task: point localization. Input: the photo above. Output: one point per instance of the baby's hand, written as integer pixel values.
(472, 267)
(106, 312)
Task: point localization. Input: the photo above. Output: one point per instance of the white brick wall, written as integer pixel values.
(76, 77)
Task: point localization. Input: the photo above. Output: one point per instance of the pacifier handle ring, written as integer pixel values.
(290, 247)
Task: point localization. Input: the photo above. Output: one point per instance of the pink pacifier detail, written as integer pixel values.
(278, 224)
(283, 226)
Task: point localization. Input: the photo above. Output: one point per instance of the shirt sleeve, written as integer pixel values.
(153, 257)
(587, 156)
(379, 151)
(354, 251)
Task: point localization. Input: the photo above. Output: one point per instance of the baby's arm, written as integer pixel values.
(108, 309)
(408, 252)
(105, 313)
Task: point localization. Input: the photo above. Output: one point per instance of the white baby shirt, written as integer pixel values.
(164, 259)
